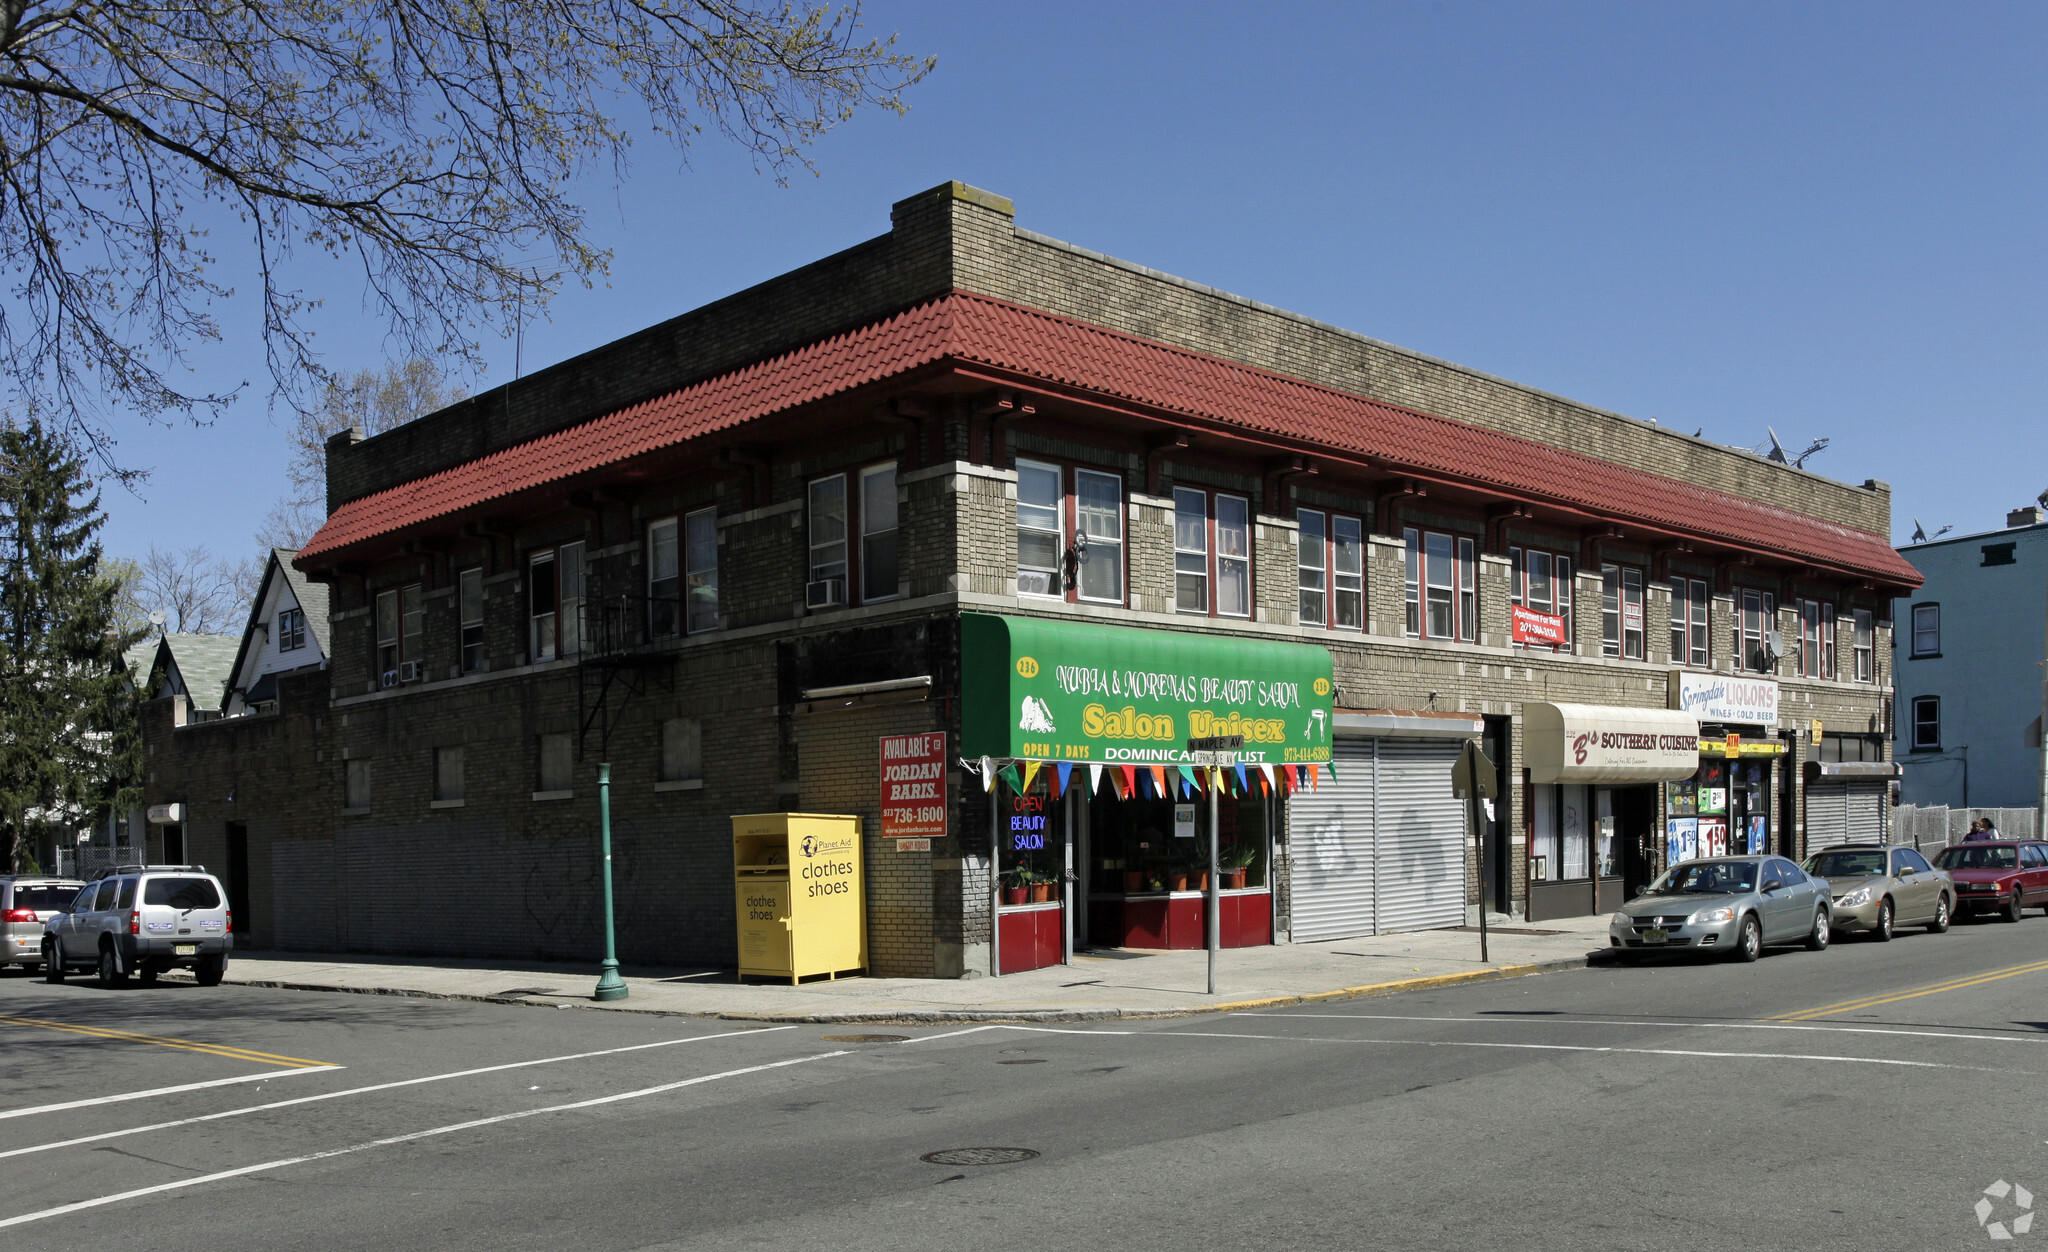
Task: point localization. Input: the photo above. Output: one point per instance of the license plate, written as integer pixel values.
(192, 949)
(1653, 936)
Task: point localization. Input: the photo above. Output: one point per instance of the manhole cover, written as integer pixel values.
(979, 1156)
(1039, 1060)
(865, 1038)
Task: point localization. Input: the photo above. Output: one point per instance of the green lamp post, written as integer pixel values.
(609, 985)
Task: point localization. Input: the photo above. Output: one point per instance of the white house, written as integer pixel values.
(1968, 653)
(287, 631)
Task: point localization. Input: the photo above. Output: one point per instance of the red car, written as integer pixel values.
(2002, 876)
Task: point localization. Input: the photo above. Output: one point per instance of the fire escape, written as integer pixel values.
(623, 657)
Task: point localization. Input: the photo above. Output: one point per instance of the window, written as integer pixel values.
(682, 750)
(469, 597)
(1621, 612)
(1865, 655)
(1689, 622)
(1998, 553)
(664, 580)
(1039, 500)
(412, 619)
(1542, 583)
(387, 637)
(447, 775)
(540, 606)
(1927, 630)
(1827, 641)
(700, 568)
(1758, 616)
(1193, 573)
(181, 893)
(1913, 862)
(1468, 592)
(1439, 582)
(1312, 567)
(355, 784)
(878, 532)
(127, 897)
(569, 573)
(1411, 586)
(1099, 519)
(828, 530)
(1190, 550)
(291, 630)
(1347, 550)
(1927, 724)
(557, 761)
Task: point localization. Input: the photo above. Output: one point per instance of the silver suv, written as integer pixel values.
(143, 920)
(26, 902)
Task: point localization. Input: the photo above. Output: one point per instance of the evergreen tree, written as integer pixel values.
(69, 742)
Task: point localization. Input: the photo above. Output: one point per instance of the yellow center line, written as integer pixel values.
(187, 1045)
(1872, 1001)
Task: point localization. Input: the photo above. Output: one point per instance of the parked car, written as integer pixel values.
(2005, 876)
(26, 900)
(1728, 904)
(143, 920)
(1877, 888)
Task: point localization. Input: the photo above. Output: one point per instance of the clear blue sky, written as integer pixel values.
(1823, 218)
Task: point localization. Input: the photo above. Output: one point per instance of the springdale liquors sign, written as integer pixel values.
(1725, 697)
(1063, 691)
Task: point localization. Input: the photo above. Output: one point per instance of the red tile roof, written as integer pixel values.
(975, 331)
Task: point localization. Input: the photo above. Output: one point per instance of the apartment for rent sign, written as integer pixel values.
(913, 786)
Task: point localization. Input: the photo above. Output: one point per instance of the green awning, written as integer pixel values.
(1072, 691)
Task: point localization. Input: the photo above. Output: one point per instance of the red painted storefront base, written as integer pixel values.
(1031, 937)
(1176, 921)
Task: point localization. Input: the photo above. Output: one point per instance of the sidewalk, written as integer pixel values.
(1103, 983)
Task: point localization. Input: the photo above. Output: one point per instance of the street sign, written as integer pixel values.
(1474, 774)
(1216, 750)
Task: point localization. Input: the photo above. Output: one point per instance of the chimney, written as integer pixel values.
(2029, 516)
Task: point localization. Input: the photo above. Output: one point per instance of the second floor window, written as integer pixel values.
(1210, 552)
(1926, 630)
(828, 532)
(1040, 501)
(1927, 724)
(1816, 639)
(700, 569)
(1542, 583)
(1441, 599)
(1621, 612)
(1330, 561)
(1758, 617)
(878, 532)
(291, 630)
(1866, 670)
(400, 629)
(1689, 622)
(469, 603)
(542, 606)
(1099, 520)
(664, 579)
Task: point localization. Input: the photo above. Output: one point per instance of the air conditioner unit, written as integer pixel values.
(1037, 583)
(408, 671)
(389, 678)
(826, 593)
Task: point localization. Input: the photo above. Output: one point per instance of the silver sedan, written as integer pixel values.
(1733, 904)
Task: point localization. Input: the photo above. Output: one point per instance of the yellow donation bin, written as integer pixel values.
(798, 882)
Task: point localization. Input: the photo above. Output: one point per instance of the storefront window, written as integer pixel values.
(1723, 810)
(1144, 846)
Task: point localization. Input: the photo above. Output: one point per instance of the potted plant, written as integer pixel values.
(1041, 888)
(1134, 881)
(1237, 863)
(1016, 885)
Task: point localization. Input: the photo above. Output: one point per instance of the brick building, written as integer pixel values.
(1068, 512)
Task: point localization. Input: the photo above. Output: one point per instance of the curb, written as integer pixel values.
(932, 1017)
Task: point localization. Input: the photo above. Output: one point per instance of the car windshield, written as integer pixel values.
(1979, 858)
(44, 899)
(1845, 864)
(182, 893)
(1706, 878)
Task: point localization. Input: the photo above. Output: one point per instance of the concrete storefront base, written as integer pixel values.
(1102, 983)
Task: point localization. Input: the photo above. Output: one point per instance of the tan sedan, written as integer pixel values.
(1876, 888)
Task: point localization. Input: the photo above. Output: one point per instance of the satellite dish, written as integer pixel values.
(1774, 647)
(156, 617)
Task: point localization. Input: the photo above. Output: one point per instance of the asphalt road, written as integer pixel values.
(1860, 1098)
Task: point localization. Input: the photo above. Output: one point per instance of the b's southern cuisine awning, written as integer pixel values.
(1595, 743)
(1042, 690)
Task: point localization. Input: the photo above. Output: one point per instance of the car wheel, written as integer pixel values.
(1817, 938)
(2011, 912)
(1749, 939)
(53, 962)
(210, 970)
(110, 969)
(1882, 932)
(1940, 923)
